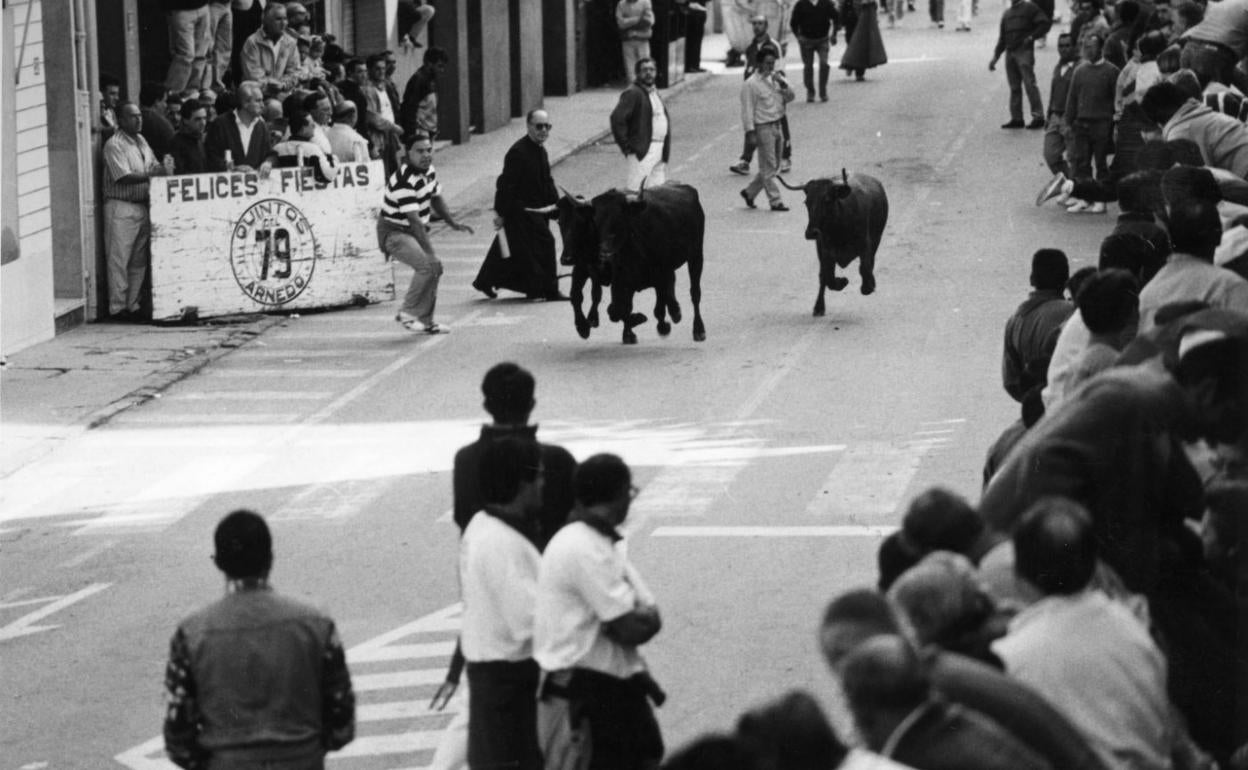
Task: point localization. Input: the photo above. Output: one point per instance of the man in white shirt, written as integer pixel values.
(498, 568)
(593, 612)
(1088, 655)
(640, 126)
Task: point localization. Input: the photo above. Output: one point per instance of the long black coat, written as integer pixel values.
(525, 183)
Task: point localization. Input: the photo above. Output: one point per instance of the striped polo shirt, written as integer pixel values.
(409, 191)
(125, 155)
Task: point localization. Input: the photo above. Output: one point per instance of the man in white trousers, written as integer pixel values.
(642, 129)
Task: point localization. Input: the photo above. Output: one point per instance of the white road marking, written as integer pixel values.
(25, 625)
(258, 373)
(298, 354)
(402, 651)
(868, 481)
(88, 554)
(778, 531)
(916, 60)
(251, 395)
(259, 418)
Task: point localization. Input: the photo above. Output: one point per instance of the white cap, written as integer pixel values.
(1196, 338)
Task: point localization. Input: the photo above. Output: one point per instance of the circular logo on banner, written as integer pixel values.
(273, 252)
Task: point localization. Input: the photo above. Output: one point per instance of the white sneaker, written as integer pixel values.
(1051, 189)
(1097, 208)
(1076, 206)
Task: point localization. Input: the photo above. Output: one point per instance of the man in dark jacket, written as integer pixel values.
(187, 147)
(157, 129)
(419, 109)
(1022, 24)
(226, 135)
(255, 678)
(642, 130)
(525, 184)
(1031, 333)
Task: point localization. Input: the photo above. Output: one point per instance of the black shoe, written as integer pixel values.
(486, 290)
(779, 207)
(745, 196)
(694, 70)
(1014, 124)
(1036, 123)
(823, 97)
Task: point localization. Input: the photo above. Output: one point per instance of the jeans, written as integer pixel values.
(634, 51)
(127, 243)
(1090, 141)
(222, 20)
(1055, 145)
(1020, 73)
(190, 37)
(422, 293)
(808, 49)
(770, 145)
(650, 169)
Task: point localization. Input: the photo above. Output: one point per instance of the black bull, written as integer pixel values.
(632, 243)
(846, 218)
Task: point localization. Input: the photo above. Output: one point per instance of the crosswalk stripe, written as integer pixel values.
(334, 374)
(394, 743)
(401, 709)
(162, 418)
(251, 395)
(296, 354)
(394, 679)
(402, 652)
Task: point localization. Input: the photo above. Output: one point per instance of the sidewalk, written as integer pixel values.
(53, 391)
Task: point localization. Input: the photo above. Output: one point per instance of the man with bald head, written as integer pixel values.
(863, 614)
(269, 56)
(242, 133)
(890, 696)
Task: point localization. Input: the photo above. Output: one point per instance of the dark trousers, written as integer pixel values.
(1020, 73)
(502, 715)
(748, 147)
(808, 66)
(937, 10)
(695, 26)
(1090, 142)
(624, 734)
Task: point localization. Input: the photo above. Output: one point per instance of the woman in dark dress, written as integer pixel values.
(866, 46)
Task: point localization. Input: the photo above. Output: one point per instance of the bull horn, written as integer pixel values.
(802, 188)
(543, 209)
(564, 190)
(845, 176)
(641, 192)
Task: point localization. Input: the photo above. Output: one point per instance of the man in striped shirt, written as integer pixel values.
(403, 230)
(129, 165)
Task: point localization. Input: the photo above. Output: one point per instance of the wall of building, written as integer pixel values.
(27, 307)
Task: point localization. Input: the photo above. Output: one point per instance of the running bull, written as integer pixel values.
(643, 240)
(845, 219)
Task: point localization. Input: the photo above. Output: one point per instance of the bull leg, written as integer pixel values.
(622, 302)
(827, 272)
(866, 268)
(695, 294)
(819, 306)
(664, 298)
(577, 295)
(595, 297)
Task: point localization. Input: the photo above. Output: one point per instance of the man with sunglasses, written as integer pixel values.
(524, 185)
(593, 613)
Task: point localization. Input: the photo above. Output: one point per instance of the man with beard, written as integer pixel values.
(525, 184)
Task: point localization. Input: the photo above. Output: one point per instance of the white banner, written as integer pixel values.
(235, 243)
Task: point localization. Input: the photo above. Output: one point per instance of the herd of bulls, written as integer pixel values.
(632, 242)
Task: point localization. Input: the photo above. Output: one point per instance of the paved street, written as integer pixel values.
(770, 457)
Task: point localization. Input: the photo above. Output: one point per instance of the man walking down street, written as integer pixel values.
(129, 165)
(593, 613)
(403, 231)
(763, 100)
(762, 41)
(1022, 24)
(642, 130)
(814, 24)
(255, 679)
(498, 569)
(525, 184)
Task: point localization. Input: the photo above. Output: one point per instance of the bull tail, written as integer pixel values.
(791, 187)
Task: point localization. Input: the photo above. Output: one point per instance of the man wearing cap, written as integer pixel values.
(348, 145)
(255, 679)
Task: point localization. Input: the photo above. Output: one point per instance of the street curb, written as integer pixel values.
(166, 378)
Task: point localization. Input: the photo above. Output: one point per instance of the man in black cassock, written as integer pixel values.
(525, 183)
